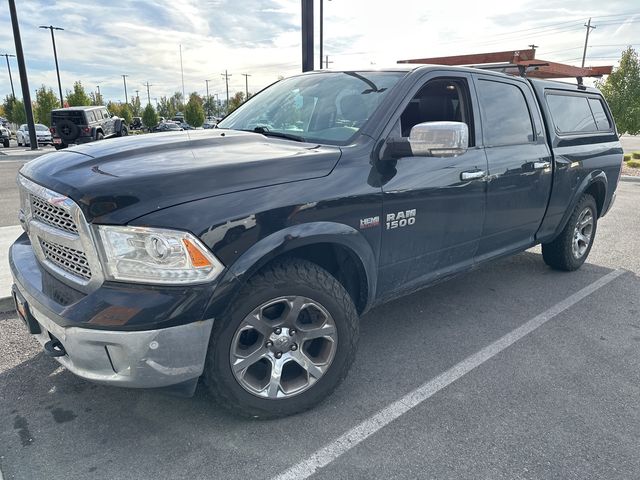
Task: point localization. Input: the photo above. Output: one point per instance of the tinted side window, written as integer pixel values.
(571, 113)
(602, 121)
(505, 114)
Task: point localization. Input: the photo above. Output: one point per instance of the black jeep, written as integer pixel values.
(77, 125)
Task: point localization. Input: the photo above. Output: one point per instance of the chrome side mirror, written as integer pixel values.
(439, 139)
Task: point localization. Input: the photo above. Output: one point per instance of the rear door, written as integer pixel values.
(519, 164)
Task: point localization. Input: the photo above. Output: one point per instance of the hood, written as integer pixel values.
(115, 181)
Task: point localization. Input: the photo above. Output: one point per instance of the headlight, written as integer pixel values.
(154, 255)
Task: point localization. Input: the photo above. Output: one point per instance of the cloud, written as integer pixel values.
(141, 38)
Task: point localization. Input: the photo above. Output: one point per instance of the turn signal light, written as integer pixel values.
(198, 259)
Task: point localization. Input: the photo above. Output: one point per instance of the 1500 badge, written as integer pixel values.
(401, 219)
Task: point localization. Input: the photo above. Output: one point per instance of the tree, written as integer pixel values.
(622, 91)
(14, 110)
(149, 117)
(194, 112)
(96, 98)
(78, 97)
(46, 101)
(114, 108)
(136, 108)
(166, 108)
(236, 101)
(125, 113)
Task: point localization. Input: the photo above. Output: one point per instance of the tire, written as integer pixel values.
(569, 250)
(99, 136)
(6, 143)
(123, 131)
(19, 143)
(67, 130)
(323, 303)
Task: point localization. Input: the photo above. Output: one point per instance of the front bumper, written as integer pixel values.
(145, 359)
(119, 334)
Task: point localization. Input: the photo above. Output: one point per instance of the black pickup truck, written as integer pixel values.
(246, 254)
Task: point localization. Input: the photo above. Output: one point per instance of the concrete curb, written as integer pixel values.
(629, 178)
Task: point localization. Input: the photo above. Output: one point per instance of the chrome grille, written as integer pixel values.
(52, 215)
(68, 259)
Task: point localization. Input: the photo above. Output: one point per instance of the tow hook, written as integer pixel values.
(54, 348)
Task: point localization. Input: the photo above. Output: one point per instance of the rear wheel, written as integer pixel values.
(99, 136)
(6, 143)
(284, 344)
(571, 248)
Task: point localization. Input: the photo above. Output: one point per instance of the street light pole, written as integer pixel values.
(208, 99)
(124, 79)
(22, 68)
(55, 56)
(7, 55)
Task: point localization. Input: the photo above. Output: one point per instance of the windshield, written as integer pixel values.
(41, 127)
(324, 108)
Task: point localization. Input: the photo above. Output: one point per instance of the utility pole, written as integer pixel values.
(586, 41)
(99, 97)
(307, 35)
(246, 85)
(148, 94)
(124, 79)
(327, 62)
(182, 70)
(533, 46)
(22, 68)
(55, 57)
(321, 30)
(226, 76)
(7, 55)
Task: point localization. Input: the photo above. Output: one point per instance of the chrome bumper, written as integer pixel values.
(138, 359)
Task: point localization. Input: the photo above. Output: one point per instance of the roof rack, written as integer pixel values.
(517, 62)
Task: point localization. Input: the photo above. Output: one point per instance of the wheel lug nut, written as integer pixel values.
(294, 347)
(269, 343)
(292, 332)
(278, 354)
(278, 331)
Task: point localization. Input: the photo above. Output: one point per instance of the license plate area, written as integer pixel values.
(25, 315)
(57, 141)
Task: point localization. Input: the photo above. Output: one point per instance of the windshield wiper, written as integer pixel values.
(268, 133)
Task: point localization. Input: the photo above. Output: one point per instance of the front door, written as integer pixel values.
(433, 208)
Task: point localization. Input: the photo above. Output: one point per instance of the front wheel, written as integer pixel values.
(6, 143)
(571, 248)
(284, 344)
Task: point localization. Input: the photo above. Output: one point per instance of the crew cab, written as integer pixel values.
(247, 253)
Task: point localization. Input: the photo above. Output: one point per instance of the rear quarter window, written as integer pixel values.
(577, 113)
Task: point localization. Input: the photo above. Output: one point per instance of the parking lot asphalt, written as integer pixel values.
(561, 402)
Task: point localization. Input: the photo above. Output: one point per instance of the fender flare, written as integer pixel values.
(597, 176)
(286, 240)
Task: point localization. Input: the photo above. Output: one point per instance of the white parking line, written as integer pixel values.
(357, 434)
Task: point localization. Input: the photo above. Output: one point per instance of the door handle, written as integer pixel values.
(541, 165)
(473, 175)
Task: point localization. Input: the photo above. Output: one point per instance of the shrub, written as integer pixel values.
(627, 157)
(633, 163)
(635, 155)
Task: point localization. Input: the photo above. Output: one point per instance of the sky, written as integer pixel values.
(103, 40)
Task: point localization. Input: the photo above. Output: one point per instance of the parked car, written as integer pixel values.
(209, 124)
(168, 126)
(77, 125)
(43, 135)
(136, 123)
(247, 254)
(186, 126)
(5, 136)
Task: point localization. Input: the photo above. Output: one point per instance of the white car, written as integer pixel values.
(42, 133)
